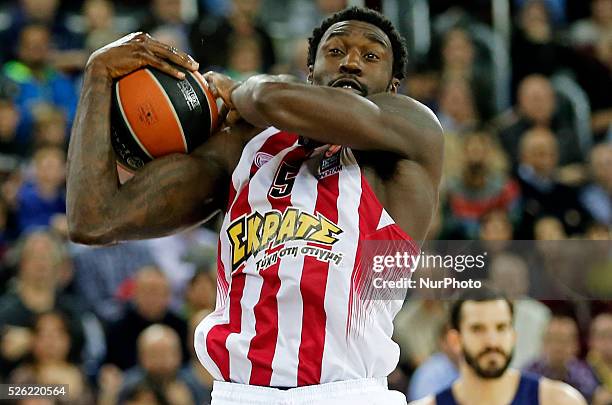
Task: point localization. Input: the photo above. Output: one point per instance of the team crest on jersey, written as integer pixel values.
(261, 158)
(250, 234)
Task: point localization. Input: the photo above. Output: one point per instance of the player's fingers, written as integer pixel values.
(210, 79)
(162, 65)
(174, 55)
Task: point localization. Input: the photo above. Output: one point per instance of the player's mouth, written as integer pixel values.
(349, 84)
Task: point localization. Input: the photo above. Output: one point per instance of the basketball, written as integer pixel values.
(154, 114)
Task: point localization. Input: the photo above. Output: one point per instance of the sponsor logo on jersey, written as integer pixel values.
(250, 234)
(329, 165)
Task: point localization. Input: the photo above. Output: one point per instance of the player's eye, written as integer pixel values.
(371, 56)
(335, 51)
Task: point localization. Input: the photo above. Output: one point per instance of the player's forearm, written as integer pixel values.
(92, 177)
(317, 112)
(382, 121)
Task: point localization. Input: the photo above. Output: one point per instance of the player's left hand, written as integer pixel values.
(222, 86)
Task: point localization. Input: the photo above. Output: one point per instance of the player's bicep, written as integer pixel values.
(170, 193)
(409, 129)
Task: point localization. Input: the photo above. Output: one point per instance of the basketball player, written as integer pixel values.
(310, 172)
(482, 323)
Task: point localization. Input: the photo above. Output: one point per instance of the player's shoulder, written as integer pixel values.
(407, 106)
(559, 393)
(428, 400)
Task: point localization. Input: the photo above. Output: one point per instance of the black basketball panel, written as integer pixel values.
(190, 104)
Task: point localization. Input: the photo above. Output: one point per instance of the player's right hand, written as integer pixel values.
(135, 51)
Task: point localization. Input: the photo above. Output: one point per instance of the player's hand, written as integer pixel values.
(222, 86)
(135, 51)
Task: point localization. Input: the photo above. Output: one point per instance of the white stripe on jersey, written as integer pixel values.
(290, 305)
(238, 343)
(336, 358)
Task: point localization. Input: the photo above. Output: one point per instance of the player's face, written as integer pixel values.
(357, 56)
(487, 337)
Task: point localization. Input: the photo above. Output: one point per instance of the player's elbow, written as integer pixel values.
(83, 231)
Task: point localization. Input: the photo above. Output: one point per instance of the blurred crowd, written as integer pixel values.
(527, 114)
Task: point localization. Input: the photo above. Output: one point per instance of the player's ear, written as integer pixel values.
(394, 86)
(310, 74)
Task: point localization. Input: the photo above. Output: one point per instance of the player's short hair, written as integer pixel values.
(400, 53)
(482, 294)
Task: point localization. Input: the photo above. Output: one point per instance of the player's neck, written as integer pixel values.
(487, 391)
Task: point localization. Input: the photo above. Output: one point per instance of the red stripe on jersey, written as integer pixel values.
(222, 284)
(263, 344)
(370, 211)
(362, 291)
(312, 288)
(217, 336)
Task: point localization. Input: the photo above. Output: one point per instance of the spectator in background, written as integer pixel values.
(305, 14)
(43, 12)
(203, 379)
(425, 313)
(298, 64)
(244, 58)
(50, 363)
(596, 78)
(11, 150)
(480, 188)
(423, 84)
(459, 63)
(176, 256)
(104, 276)
(49, 128)
(559, 361)
(150, 305)
(542, 194)
(159, 364)
(600, 356)
(43, 197)
(37, 80)
(510, 275)
(99, 25)
(597, 196)
(211, 38)
(167, 17)
(32, 292)
(201, 292)
(534, 49)
(585, 33)
(495, 225)
(439, 371)
(457, 110)
(96, 30)
(537, 107)
(549, 228)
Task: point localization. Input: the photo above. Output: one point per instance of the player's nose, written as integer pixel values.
(351, 63)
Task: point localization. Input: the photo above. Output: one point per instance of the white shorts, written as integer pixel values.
(367, 391)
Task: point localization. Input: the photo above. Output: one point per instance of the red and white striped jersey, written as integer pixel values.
(287, 289)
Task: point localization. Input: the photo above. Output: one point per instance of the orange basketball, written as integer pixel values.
(154, 114)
